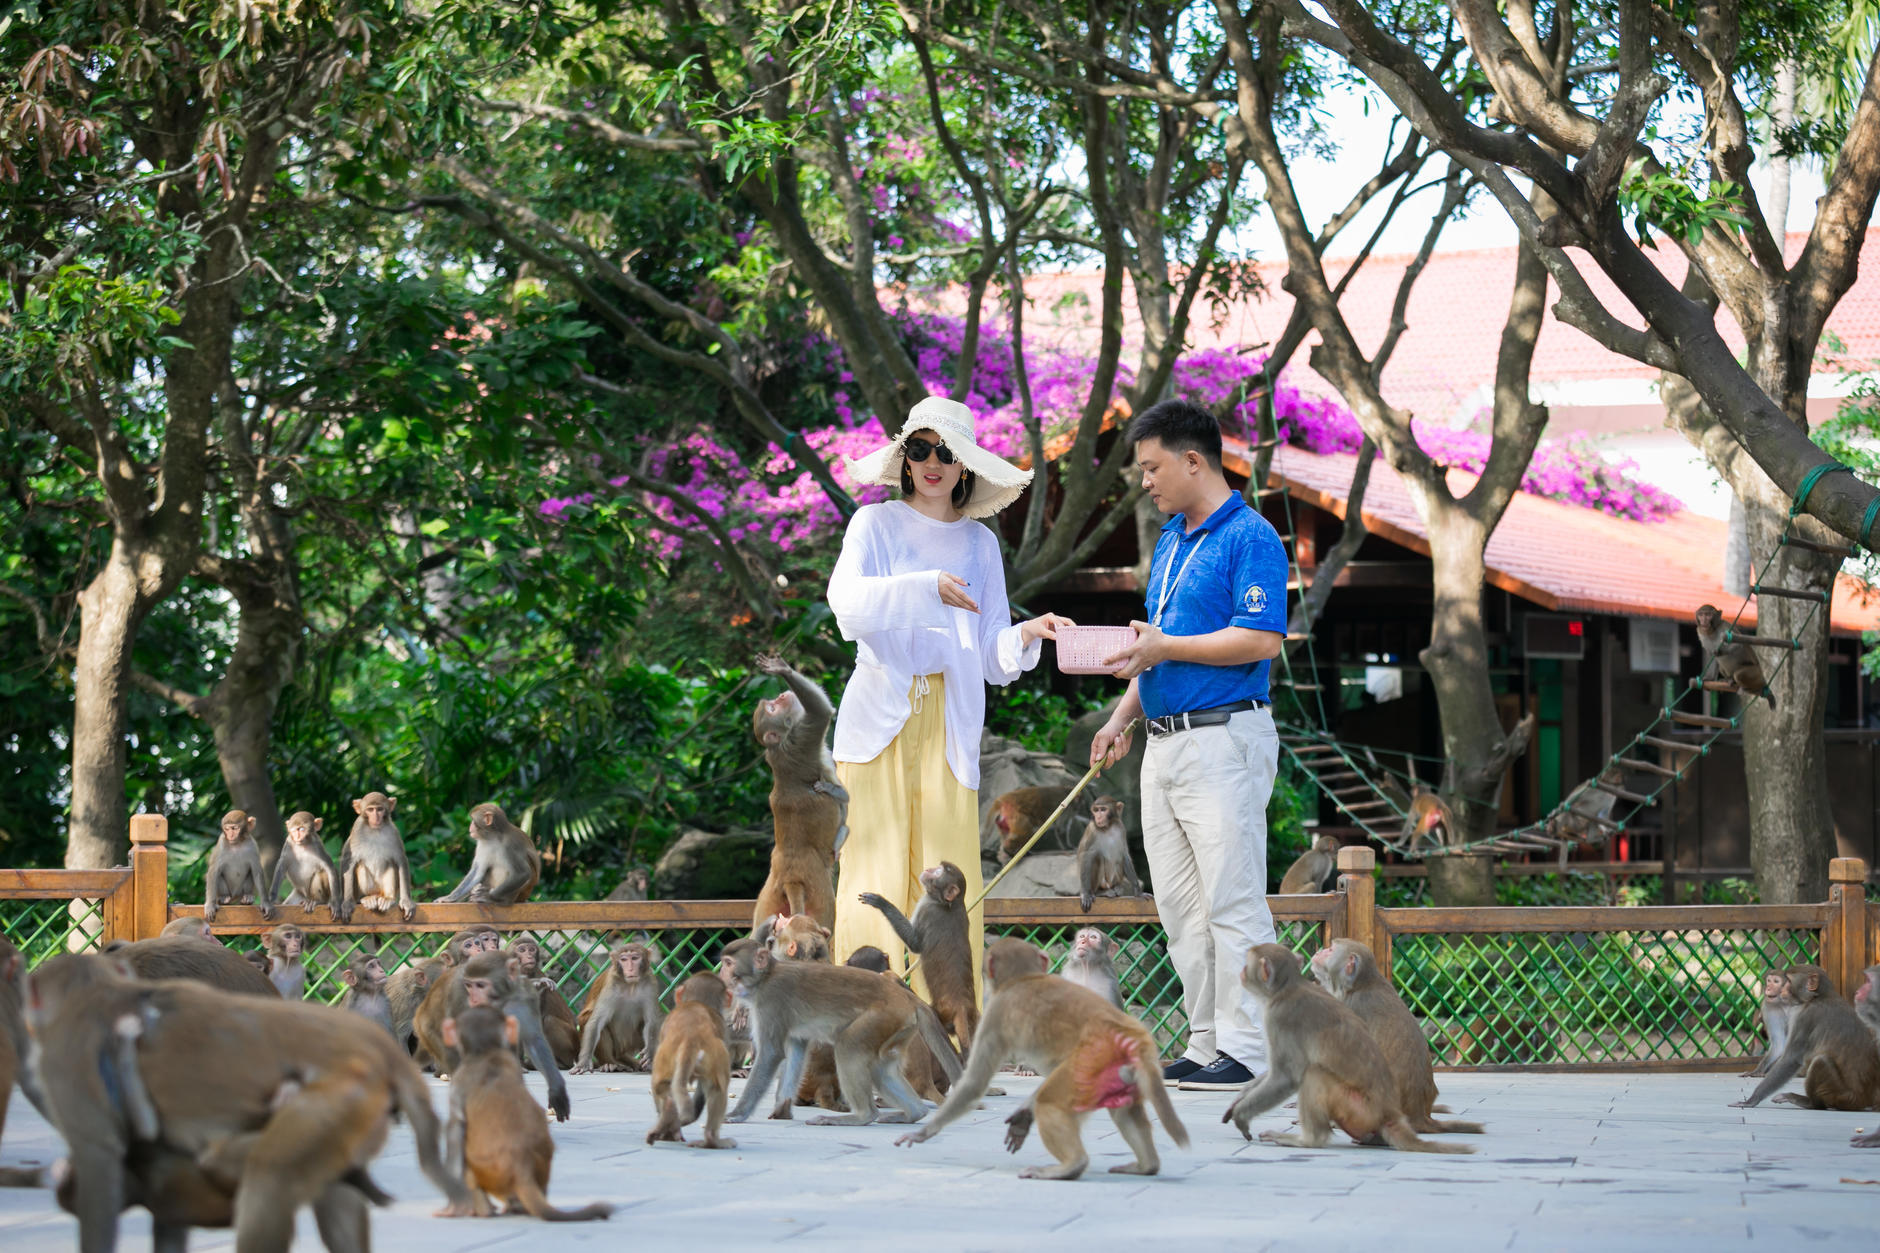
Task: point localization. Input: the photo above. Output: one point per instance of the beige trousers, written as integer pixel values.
(906, 812)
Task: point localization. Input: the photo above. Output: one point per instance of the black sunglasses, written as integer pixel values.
(917, 449)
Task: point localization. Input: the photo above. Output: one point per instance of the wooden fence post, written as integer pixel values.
(150, 875)
(1844, 953)
(1355, 863)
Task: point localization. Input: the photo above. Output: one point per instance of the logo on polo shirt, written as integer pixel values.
(1255, 599)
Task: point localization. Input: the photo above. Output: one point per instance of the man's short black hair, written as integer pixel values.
(1179, 426)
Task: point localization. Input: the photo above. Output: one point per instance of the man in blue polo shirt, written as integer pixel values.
(1198, 675)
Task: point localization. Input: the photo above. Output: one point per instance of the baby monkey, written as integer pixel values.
(497, 1139)
(692, 1068)
(1104, 866)
(1092, 965)
(1777, 1012)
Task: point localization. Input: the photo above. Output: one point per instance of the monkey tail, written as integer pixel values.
(413, 1100)
(1455, 1126)
(529, 1196)
(1152, 1091)
(685, 1106)
(937, 1040)
(1398, 1135)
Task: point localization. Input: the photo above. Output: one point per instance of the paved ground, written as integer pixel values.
(1606, 1162)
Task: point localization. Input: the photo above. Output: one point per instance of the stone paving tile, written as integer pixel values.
(1607, 1162)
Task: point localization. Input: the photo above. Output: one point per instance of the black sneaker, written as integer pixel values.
(1180, 1068)
(1223, 1075)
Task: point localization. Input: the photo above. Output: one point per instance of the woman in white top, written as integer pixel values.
(920, 587)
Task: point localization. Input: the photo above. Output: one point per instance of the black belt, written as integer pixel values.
(1201, 717)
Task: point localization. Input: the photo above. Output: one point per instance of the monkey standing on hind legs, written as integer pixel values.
(939, 933)
(1348, 970)
(692, 1069)
(373, 870)
(1104, 866)
(496, 1138)
(303, 862)
(1777, 1012)
(506, 866)
(807, 805)
(235, 876)
(1320, 1050)
(1093, 1056)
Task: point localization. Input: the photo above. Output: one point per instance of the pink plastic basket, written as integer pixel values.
(1082, 649)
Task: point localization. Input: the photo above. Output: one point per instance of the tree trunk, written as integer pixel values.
(1784, 755)
(241, 711)
(111, 611)
(1467, 880)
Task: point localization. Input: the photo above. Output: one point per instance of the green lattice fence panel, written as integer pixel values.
(1151, 988)
(1590, 997)
(573, 958)
(46, 928)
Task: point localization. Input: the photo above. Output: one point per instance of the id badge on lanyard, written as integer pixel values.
(1169, 585)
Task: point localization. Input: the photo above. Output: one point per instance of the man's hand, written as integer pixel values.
(1111, 744)
(953, 592)
(1150, 649)
(1043, 627)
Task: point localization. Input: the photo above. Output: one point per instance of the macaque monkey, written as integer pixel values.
(212, 1066)
(506, 866)
(1777, 1012)
(286, 971)
(1348, 970)
(1736, 662)
(807, 805)
(1320, 1050)
(373, 871)
(406, 990)
(1828, 1045)
(190, 929)
(691, 1069)
(1314, 869)
(14, 1048)
(939, 933)
(1104, 866)
(235, 876)
(365, 981)
(258, 958)
(867, 1018)
(496, 1137)
(1018, 813)
(1428, 811)
(621, 1016)
(1093, 1056)
(558, 1020)
(633, 886)
(172, 957)
(798, 937)
(737, 1023)
(304, 863)
(1866, 1008)
(492, 980)
(467, 943)
(923, 1073)
(1091, 965)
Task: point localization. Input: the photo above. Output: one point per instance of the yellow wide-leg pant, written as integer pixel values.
(906, 812)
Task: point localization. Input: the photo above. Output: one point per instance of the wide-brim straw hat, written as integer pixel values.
(996, 481)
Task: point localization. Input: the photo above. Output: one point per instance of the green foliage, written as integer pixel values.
(1035, 716)
(1295, 800)
(1665, 200)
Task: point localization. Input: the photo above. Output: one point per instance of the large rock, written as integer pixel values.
(1006, 765)
(1041, 873)
(713, 865)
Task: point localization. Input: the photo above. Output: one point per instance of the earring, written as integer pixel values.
(963, 490)
(907, 479)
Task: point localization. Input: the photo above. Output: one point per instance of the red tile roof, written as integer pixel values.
(1560, 556)
(1435, 368)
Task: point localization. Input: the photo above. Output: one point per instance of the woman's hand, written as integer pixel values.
(1043, 627)
(953, 592)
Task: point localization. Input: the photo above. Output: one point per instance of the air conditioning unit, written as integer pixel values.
(1654, 646)
(1545, 635)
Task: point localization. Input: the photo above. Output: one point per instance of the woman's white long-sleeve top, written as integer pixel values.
(885, 595)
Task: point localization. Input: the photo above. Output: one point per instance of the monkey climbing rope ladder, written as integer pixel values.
(1376, 798)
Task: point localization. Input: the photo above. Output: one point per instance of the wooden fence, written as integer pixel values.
(1567, 988)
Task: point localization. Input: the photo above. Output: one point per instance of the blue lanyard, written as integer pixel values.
(1169, 584)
